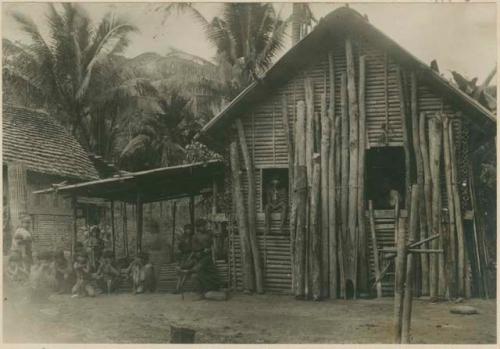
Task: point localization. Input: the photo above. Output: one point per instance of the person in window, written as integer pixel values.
(276, 201)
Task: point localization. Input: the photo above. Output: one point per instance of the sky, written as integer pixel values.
(460, 36)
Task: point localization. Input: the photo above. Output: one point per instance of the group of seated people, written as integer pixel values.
(91, 266)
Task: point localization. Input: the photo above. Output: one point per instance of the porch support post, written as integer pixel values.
(139, 222)
(113, 236)
(75, 225)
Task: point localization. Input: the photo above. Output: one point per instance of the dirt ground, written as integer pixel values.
(125, 318)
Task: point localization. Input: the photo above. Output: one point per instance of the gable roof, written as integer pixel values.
(43, 145)
(340, 22)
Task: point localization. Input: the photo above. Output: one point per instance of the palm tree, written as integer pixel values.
(62, 67)
(247, 37)
(162, 133)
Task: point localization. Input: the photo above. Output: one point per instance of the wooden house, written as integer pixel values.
(37, 153)
(348, 120)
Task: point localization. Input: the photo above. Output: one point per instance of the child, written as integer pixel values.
(107, 271)
(63, 272)
(142, 273)
(42, 277)
(82, 286)
(16, 270)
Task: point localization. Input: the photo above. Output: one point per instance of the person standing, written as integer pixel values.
(22, 242)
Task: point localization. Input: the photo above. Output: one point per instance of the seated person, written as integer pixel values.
(107, 273)
(83, 286)
(142, 273)
(16, 270)
(63, 272)
(42, 276)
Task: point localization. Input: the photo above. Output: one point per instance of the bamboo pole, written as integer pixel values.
(427, 198)
(344, 189)
(458, 216)
(435, 157)
(174, 214)
(362, 245)
(301, 198)
(376, 260)
(113, 232)
(400, 264)
(325, 166)
(251, 207)
(406, 143)
(351, 252)
(315, 229)
(139, 222)
(125, 230)
(74, 237)
(410, 266)
(451, 206)
(246, 253)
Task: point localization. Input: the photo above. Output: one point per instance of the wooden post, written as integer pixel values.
(400, 263)
(406, 142)
(435, 159)
(74, 238)
(246, 253)
(301, 199)
(315, 230)
(410, 267)
(451, 253)
(458, 217)
(427, 199)
(125, 230)
(288, 136)
(362, 245)
(252, 215)
(309, 94)
(140, 215)
(352, 248)
(113, 232)
(375, 250)
(344, 189)
(18, 195)
(191, 212)
(174, 213)
(325, 167)
(332, 184)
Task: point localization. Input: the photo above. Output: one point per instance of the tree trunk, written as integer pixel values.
(301, 202)
(325, 166)
(435, 159)
(410, 266)
(245, 250)
(427, 200)
(351, 251)
(344, 191)
(315, 229)
(252, 215)
(362, 244)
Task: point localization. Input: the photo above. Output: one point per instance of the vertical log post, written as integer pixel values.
(174, 214)
(288, 136)
(362, 245)
(113, 232)
(376, 259)
(427, 205)
(451, 253)
(246, 254)
(332, 184)
(140, 215)
(410, 266)
(315, 229)
(301, 199)
(435, 159)
(458, 217)
(351, 253)
(344, 189)
(309, 95)
(252, 214)
(125, 230)
(399, 279)
(406, 143)
(325, 166)
(74, 238)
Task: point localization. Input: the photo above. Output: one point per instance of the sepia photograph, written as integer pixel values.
(249, 172)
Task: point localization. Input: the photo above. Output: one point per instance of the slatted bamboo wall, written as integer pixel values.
(275, 252)
(51, 232)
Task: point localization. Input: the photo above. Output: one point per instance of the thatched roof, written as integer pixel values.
(43, 145)
(338, 23)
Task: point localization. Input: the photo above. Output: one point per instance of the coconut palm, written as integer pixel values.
(247, 37)
(62, 67)
(162, 132)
